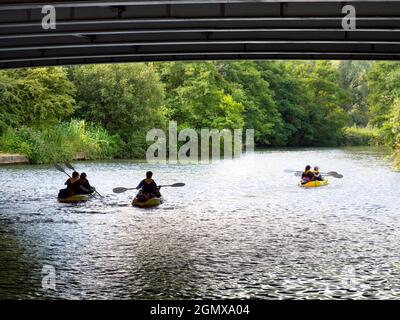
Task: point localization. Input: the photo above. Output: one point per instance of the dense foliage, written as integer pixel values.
(295, 103)
(291, 103)
(384, 103)
(125, 99)
(37, 97)
(353, 78)
(60, 142)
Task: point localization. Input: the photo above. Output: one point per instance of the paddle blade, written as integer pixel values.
(58, 167)
(120, 190)
(335, 174)
(178, 184)
(290, 171)
(68, 165)
(339, 176)
(332, 173)
(298, 174)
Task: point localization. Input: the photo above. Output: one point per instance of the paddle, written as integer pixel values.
(329, 174)
(333, 174)
(122, 189)
(62, 170)
(67, 164)
(290, 171)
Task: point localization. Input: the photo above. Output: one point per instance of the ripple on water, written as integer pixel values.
(214, 238)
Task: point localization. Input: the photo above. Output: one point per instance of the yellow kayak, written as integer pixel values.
(75, 198)
(314, 184)
(152, 202)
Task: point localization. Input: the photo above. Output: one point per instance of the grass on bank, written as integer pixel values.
(361, 136)
(67, 139)
(61, 142)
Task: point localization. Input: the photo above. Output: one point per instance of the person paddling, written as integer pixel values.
(148, 188)
(72, 184)
(307, 175)
(317, 174)
(83, 184)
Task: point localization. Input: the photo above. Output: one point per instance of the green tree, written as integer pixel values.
(125, 99)
(247, 85)
(36, 97)
(395, 128)
(288, 92)
(353, 78)
(325, 100)
(197, 96)
(383, 81)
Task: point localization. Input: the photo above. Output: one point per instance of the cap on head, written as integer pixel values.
(149, 174)
(308, 168)
(316, 168)
(75, 174)
(83, 175)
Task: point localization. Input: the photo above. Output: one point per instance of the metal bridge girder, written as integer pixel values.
(171, 30)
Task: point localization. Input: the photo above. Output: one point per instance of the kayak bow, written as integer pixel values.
(152, 202)
(314, 184)
(75, 198)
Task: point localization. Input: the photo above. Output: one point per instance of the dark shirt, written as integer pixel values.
(73, 187)
(69, 183)
(148, 187)
(85, 184)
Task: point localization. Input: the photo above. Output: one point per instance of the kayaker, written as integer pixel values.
(307, 175)
(317, 175)
(71, 184)
(84, 185)
(148, 188)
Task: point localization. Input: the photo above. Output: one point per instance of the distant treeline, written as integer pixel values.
(106, 110)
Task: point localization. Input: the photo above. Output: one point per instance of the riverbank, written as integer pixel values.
(9, 158)
(73, 140)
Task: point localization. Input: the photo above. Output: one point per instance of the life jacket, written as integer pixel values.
(307, 175)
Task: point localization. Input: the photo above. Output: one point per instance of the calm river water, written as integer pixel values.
(239, 229)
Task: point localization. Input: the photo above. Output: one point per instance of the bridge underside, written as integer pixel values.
(162, 30)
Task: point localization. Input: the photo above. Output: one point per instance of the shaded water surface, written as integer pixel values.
(239, 229)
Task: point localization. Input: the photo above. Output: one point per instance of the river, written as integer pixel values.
(240, 228)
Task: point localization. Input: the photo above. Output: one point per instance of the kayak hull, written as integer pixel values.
(314, 184)
(152, 202)
(75, 198)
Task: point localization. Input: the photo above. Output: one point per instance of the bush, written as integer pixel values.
(62, 142)
(396, 157)
(395, 130)
(358, 136)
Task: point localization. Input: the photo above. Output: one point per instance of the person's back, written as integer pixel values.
(84, 185)
(148, 186)
(72, 186)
